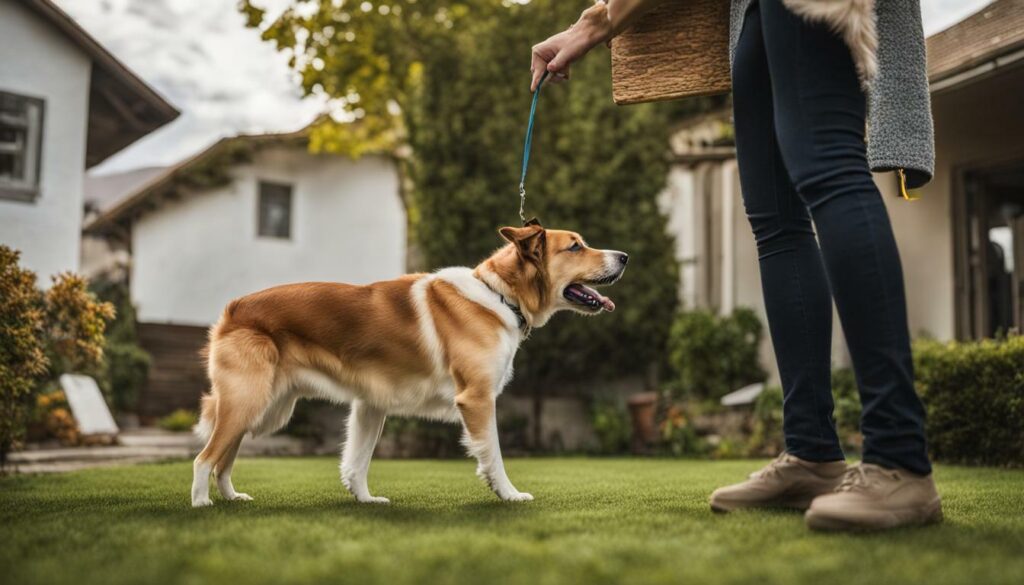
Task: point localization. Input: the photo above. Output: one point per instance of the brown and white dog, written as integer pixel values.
(437, 346)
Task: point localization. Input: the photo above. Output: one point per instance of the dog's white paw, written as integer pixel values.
(241, 498)
(374, 500)
(518, 497)
(202, 502)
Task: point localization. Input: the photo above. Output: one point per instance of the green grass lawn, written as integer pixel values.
(593, 521)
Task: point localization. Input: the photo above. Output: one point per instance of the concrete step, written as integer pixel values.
(143, 445)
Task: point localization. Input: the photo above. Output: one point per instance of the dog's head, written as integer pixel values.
(554, 270)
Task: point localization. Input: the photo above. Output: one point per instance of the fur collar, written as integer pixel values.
(855, 21)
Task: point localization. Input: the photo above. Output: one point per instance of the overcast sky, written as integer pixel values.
(225, 80)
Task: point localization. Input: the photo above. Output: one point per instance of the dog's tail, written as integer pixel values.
(207, 417)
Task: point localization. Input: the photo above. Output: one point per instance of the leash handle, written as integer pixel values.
(526, 149)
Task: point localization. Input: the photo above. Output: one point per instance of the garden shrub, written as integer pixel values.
(126, 372)
(52, 419)
(611, 426)
(75, 322)
(22, 357)
(42, 335)
(974, 396)
(973, 393)
(713, 355)
(846, 397)
(766, 439)
(126, 364)
(179, 420)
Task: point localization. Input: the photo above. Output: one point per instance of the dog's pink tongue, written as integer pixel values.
(607, 303)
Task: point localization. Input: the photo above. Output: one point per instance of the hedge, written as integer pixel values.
(974, 396)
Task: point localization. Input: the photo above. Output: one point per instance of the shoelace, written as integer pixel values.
(859, 476)
(772, 468)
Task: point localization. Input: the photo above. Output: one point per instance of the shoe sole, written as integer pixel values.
(725, 506)
(929, 513)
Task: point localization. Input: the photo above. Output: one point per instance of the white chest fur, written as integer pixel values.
(476, 291)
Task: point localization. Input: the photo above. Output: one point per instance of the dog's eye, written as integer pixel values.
(575, 247)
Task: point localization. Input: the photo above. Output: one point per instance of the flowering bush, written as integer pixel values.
(43, 335)
(52, 419)
(22, 359)
(677, 435)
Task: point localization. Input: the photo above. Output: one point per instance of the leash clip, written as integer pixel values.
(522, 203)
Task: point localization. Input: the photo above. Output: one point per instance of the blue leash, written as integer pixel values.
(526, 149)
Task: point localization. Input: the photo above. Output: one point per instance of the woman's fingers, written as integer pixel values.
(537, 67)
(542, 55)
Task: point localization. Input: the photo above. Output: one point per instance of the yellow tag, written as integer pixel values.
(904, 192)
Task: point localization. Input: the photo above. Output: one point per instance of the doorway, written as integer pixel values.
(990, 251)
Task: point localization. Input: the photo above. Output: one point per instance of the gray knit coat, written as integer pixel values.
(900, 133)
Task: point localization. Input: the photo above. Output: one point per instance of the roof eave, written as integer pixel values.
(139, 108)
(164, 184)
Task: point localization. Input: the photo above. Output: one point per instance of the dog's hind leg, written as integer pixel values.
(365, 424)
(242, 374)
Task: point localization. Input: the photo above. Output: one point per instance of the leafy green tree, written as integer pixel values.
(447, 83)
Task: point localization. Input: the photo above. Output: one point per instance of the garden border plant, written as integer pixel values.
(43, 334)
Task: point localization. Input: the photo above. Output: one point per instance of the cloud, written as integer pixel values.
(939, 15)
(199, 55)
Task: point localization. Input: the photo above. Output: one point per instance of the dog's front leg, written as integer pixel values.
(476, 405)
(365, 424)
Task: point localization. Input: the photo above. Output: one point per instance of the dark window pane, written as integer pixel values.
(20, 139)
(275, 220)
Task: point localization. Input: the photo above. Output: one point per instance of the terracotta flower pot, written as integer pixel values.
(642, 408)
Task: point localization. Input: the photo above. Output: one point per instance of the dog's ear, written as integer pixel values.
(529, 240)
(532, 221)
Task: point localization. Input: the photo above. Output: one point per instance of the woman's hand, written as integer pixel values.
(558, 52)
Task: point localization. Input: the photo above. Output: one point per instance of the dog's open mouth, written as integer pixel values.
(584, 296)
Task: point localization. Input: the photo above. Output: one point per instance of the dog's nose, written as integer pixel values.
(623, 258)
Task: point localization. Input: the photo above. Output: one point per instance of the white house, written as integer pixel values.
(961, 241)
(66, 104)
(247, 213)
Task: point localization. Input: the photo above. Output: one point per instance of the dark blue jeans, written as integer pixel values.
(799, 115)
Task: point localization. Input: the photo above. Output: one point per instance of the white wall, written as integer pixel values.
(192, 256)
(38, 61)
(679, 204)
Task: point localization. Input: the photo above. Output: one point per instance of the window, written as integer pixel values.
(275, 220)
(21, 128)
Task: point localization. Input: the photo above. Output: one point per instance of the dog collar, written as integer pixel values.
(520, 317)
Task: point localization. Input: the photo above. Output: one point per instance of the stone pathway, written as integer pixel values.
(142, 446)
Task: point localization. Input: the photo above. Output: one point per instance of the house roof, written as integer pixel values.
(994, 34)
(101, 192)
(122, 107)
(207, 169)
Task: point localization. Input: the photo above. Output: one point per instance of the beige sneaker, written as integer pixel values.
(875, 498)
(787, 482)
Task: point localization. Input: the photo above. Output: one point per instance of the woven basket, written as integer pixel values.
(681, 49)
